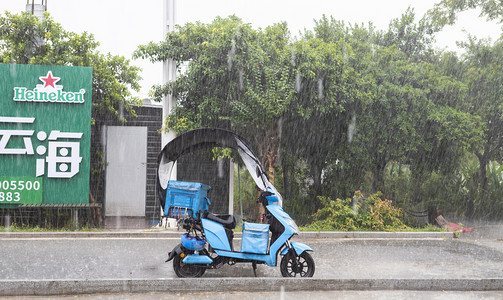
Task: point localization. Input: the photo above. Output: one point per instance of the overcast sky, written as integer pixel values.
(121, 25)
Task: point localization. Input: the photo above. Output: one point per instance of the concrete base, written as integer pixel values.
(75, 287)
(126, 223)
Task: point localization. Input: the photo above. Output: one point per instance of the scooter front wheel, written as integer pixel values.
(292, 265)
(187, 270)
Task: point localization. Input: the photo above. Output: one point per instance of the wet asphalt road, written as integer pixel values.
(135, 258)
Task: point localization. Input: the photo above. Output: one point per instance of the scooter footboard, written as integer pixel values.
(298, 247)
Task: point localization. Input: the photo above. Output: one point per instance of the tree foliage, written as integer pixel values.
(446, 11)
(348, 107)
(24, 39)
(233, 77)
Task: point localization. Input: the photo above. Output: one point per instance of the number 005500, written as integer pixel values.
(21, 190)
(19, 185)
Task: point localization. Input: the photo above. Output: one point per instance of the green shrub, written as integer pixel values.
(382, 215)
(358, 213)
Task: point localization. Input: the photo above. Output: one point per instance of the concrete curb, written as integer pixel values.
(179, 285)
(97, 234)
(375, 235)
(176, 234)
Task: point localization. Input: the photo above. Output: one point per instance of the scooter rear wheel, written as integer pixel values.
(292, 265)
(187, 270)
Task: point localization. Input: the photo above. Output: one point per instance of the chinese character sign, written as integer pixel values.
(45, 134)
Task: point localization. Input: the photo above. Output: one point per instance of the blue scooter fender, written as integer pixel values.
(298, 247)
(176, 251)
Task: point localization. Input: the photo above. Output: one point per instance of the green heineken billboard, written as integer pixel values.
(45, 134)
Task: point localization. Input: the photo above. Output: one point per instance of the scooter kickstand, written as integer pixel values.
(254, 266)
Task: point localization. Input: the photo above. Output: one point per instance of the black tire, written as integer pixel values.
(187, 270)
(302, 265)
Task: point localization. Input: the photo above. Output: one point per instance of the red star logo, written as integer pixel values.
(49, 80)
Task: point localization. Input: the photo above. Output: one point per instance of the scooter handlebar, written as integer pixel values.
(262, 197)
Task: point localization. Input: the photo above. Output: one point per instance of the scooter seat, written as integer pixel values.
(227, 220)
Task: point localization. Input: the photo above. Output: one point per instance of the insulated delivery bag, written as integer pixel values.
(186, 199)
(255, 238)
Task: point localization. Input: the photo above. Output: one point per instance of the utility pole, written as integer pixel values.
(36, 9)
(169, 74)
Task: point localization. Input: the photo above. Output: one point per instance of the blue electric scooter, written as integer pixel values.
(208, 242)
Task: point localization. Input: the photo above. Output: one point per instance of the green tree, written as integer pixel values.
(269, 88)
(365, 99)
(230, 76)
(419, 105)
(413, 38)
(24, 39)
(328, 91)
(446, 11)
(483, 77)
(481, 74)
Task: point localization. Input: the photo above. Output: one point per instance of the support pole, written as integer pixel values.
(169, 73)
(75, 218)
(239, 189)
(231, 187)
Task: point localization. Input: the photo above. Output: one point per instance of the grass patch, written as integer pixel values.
(25, 228)
(427, 228)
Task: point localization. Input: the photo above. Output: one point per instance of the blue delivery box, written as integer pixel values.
(186, 199)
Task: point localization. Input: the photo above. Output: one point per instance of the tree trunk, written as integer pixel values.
(380, 166)
(483, 161)
(317, 188)
(470, 208)
(287, 181)
(481, 183)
